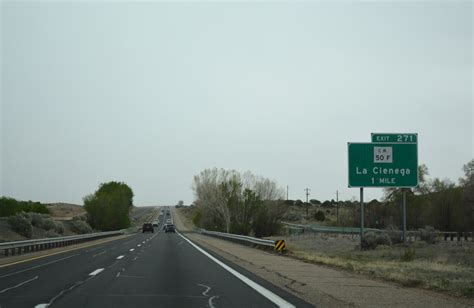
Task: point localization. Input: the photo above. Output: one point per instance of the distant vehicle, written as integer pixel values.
(147, 227)
(168, 213)
(155, 223)
(170, 228)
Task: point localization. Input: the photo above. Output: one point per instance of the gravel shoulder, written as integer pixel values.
(317, 284)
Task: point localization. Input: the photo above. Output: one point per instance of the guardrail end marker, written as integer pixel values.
(280, 246)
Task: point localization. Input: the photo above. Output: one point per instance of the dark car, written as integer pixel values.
(147, 227)
(170, 228)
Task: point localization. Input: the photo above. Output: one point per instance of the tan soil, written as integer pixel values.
(320, 285)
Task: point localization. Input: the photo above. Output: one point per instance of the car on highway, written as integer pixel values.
(155, 223)
(147, 227)
(170, 228)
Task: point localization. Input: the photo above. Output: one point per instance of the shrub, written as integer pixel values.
(396, 236)
(80, 218)
(48, 224)
(408, 256)
(319, 216)
(197, 218)
(80, 227)
(20, 224)
(10, 206)
(58, 227)
(428, 234)
(51, 233)
(372, 240)
(292, 216)
(36, 219)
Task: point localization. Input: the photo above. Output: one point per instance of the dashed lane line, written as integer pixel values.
(97, 271)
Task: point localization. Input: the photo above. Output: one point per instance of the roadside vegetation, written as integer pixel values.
(436, 203)
(109, 207)
(442, 266)
(10, 206)
(225, 199)
(240, 203)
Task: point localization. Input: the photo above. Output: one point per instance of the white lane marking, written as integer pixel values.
(135, 258)
(211, 304)
(97, 271)
(18, 285)
(120, 257)
(143, 242)
(41, 306)
(100, 253)
(132, 249)
(207, 288)
(277, 300)
(118, 274)
(138, 245)
(37, 266)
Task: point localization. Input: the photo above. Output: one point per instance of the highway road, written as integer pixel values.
(144, 270)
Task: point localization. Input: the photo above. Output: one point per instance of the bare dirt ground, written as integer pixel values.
(65, 211)
(318, 284)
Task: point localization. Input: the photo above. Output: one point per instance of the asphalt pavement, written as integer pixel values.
(144, 270)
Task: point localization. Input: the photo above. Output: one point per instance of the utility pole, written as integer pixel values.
(337, 205)
(287, 192)
(307, 194)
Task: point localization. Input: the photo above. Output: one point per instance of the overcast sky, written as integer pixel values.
(153, 93)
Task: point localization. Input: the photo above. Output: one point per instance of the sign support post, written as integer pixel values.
(361, 215)
(404, 215)
(390, 160)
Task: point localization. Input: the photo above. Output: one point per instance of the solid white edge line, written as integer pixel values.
(19, 285)
(277, 300)
(97, 271)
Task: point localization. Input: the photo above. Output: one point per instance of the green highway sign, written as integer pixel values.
(394, 138)
(383, 164)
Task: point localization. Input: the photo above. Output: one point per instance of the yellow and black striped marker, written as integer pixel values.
(280, 245)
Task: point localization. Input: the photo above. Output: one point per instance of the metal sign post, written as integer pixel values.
(361, 215)
(404, 215)
(391, 160)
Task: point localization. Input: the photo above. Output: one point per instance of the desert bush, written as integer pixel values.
(197, 217)
(20, 224)
(293, 216)
(428, 234)
(36, 219)
(80, 227)
(80, 218)
(396, 236)
(58, 227)
(48, 224)
(371, 240)
(319, 216)
(51, 233)
(408, 255)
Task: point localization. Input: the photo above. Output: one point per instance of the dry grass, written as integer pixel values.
(65, 211)
(445, 266)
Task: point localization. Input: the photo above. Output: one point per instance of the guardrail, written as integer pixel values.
(412, 235)
(18, 247)
(241, 238)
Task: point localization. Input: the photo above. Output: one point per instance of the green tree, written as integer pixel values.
(108, 208)
(467, 184)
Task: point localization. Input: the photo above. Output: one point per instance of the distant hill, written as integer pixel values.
(65, 211)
